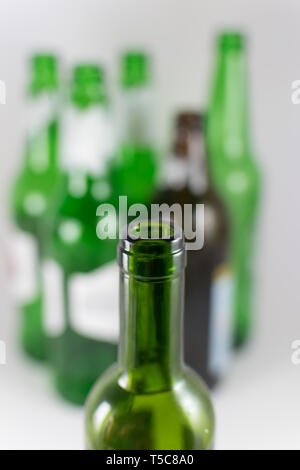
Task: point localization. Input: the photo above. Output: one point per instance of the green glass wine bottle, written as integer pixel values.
(150, 400)
(32, 191)
(133, 170)
(234, 170)
(80, 270)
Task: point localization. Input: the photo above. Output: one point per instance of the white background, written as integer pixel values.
(257, 407)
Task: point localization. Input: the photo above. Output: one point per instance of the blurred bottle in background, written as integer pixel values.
(234, 171)
(208, 286)
(80, 273)
(133, 170)
(31, 194)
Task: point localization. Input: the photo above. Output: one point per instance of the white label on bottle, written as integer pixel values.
(134, 118)
(39, 151)
(176, 173)
(53, 298)
(94, 303)
(24, 260)
(40, 111)
(87, 139)
(221, 321)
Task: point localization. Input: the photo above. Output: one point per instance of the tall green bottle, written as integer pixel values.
(80, 272)
(133, 170)
(234, 170)
(32, 191)
(150, 400)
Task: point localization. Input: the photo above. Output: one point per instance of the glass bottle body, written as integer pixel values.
(79, 268)
(150, 400)
(234, 171)
(209, 277)
(32, 192)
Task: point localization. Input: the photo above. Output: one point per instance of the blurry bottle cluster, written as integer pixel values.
(79, 154)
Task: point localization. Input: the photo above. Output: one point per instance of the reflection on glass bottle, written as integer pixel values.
(80, 272)
(234, 171)
(150, 400)
(209, 283)
(32, 191)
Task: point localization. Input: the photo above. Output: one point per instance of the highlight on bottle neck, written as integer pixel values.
(43, 74)
(152, 250)
(88, 85)
(135, 69)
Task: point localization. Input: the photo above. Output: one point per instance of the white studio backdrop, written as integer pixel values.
(258, 403)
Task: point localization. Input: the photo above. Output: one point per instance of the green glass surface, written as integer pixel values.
(77, 359)
(133, 169)
(234, 170)
(150, 400)
(133, 172)
(33, 189)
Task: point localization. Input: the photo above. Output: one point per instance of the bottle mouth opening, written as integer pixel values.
(142, 237)
(152, 249)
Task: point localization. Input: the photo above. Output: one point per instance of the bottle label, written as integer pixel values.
(41, 112)
(53, 298)
(135, 120)
(87, 140)
(221, 321)
(197, 179)
(24, 266)
(94, 303)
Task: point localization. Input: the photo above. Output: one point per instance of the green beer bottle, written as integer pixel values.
(32, 191)
(150, 399)
(80, 272)
(234, 171)
(133, 170)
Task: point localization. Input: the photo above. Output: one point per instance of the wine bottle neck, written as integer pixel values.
(150, 349)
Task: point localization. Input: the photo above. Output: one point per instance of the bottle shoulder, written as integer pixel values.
(178, 418)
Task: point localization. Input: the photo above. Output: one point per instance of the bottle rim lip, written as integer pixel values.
(48, 58)
(154, 258)
(164, 237)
